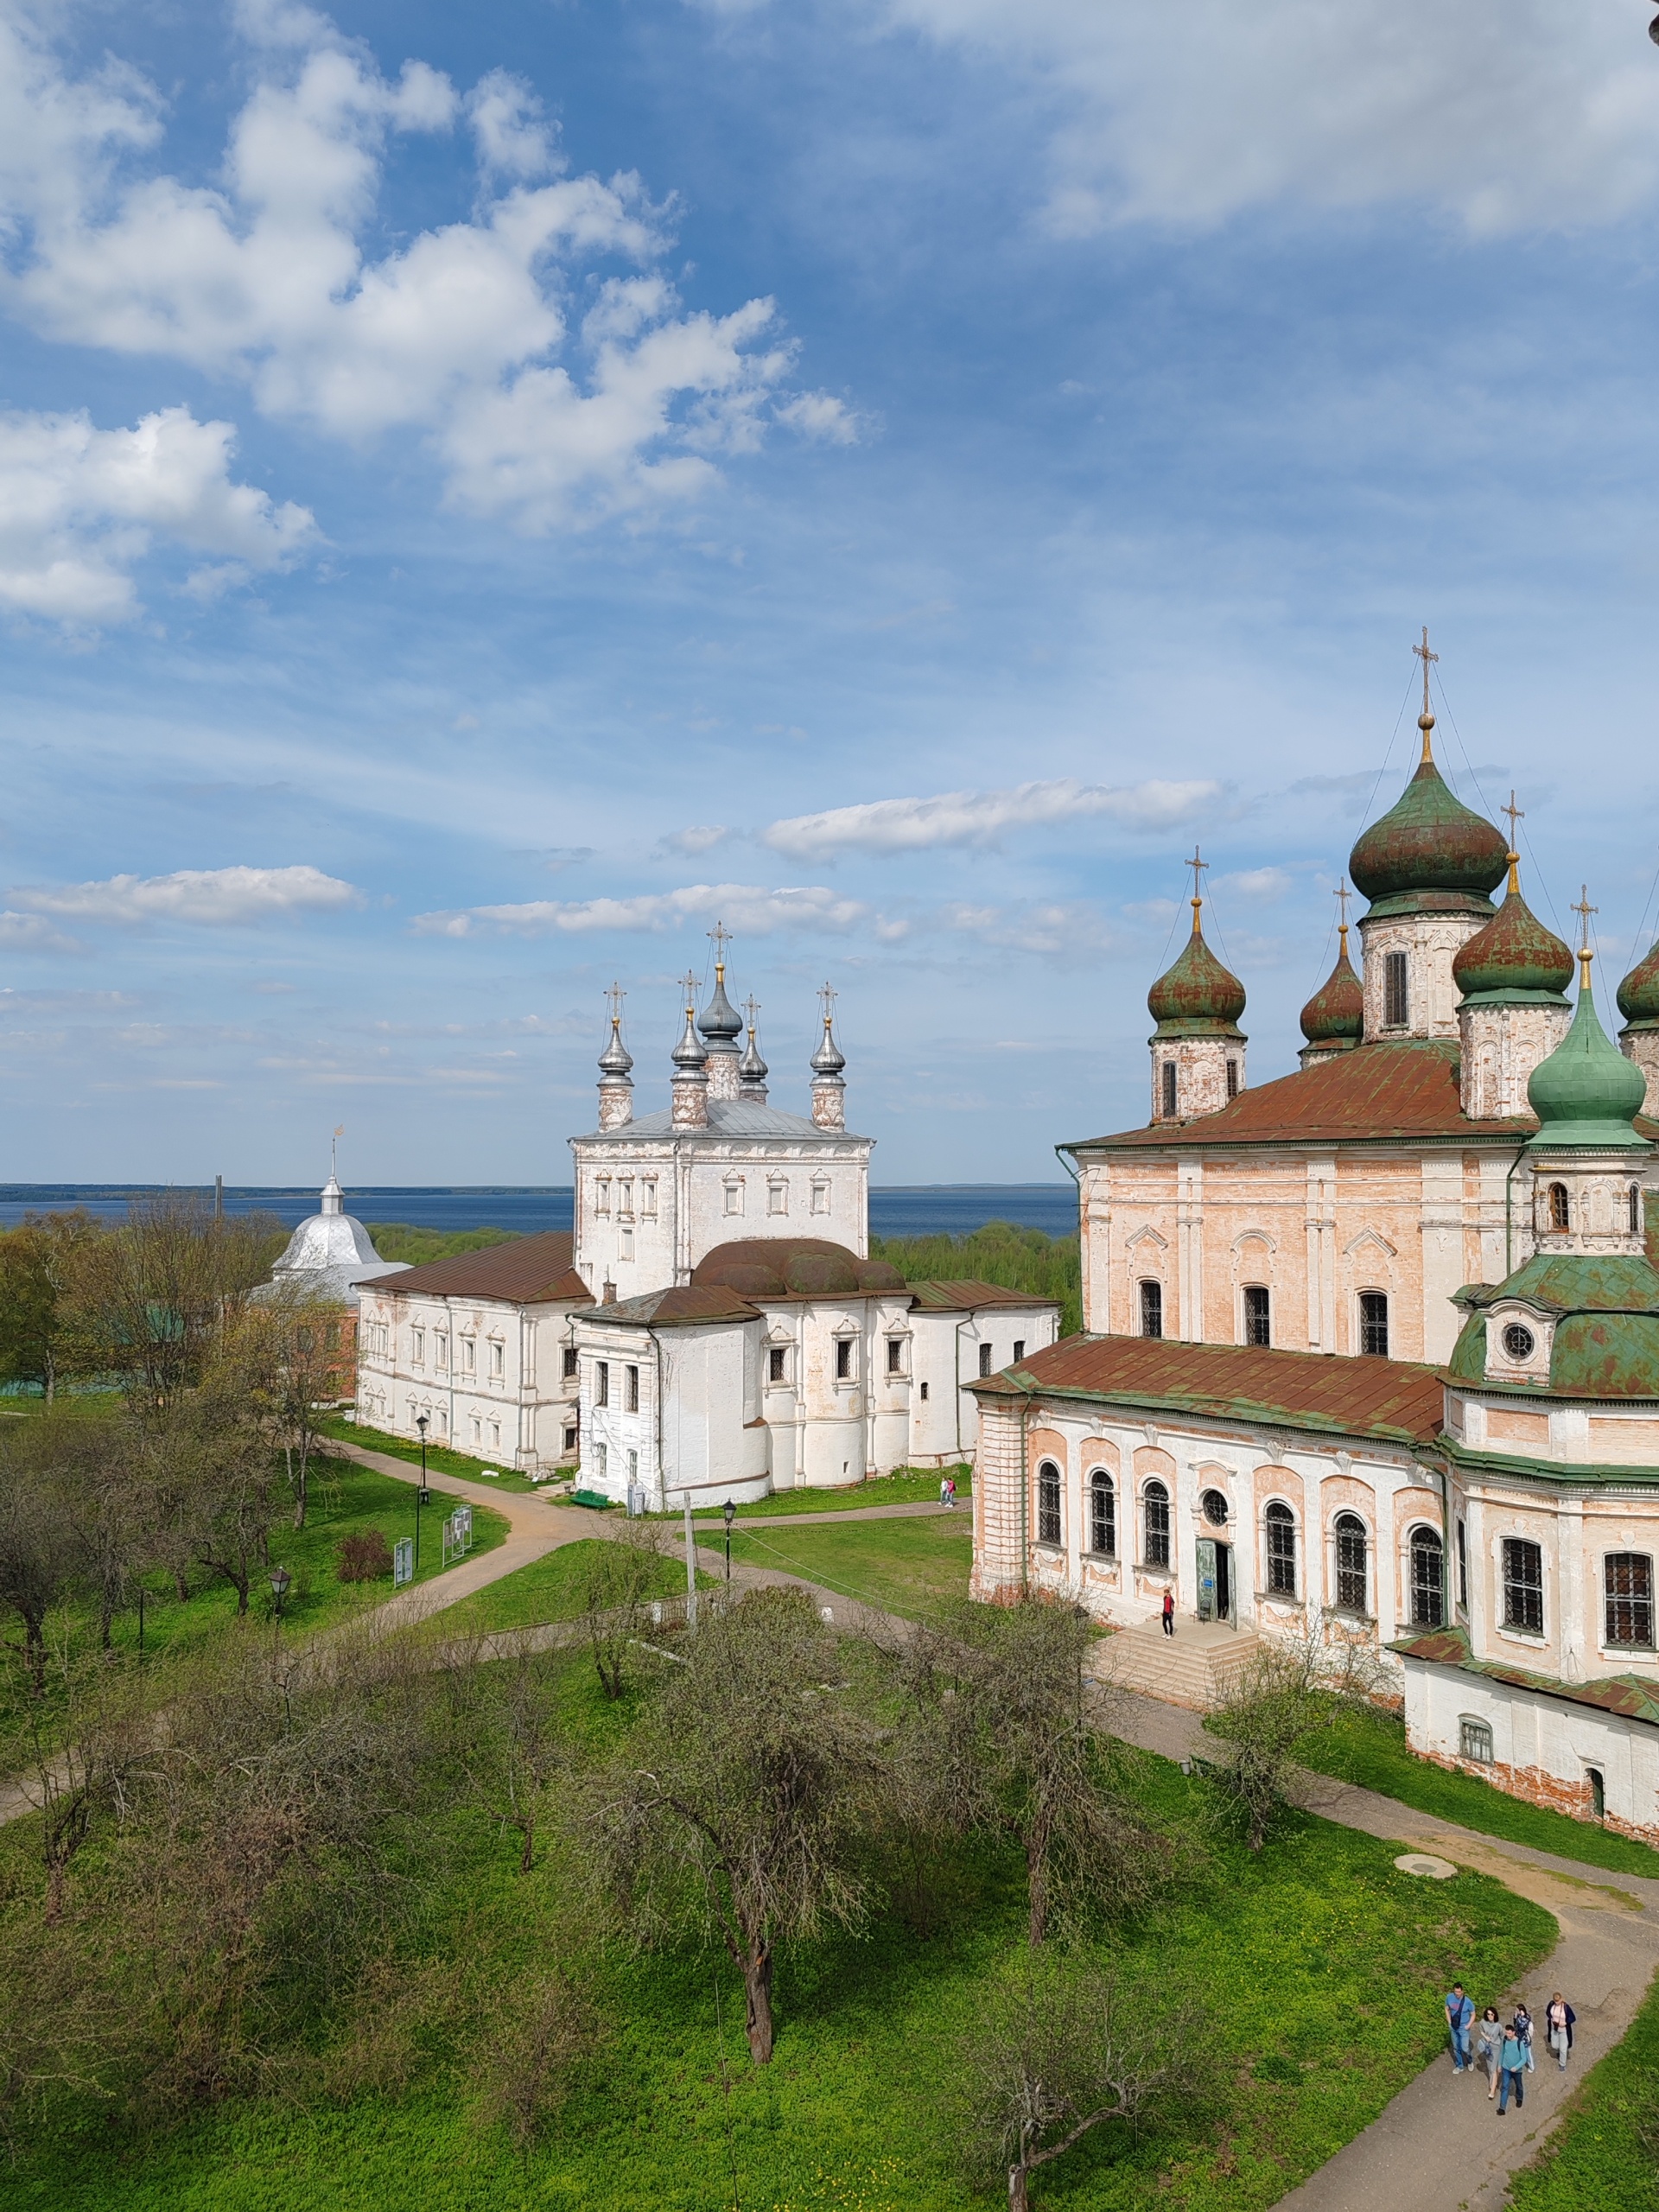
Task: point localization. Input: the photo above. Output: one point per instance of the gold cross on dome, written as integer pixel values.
(752, 1007)
(689, 985)
(827, 997)
(1516, 814)
(721, 936)
(615, 996)
(1342, 894)
(1586, 909)
(1425, 657)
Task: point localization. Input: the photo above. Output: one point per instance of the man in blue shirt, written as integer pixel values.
(1512, 2059)
(1460, 2018)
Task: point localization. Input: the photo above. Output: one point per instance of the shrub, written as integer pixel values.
(364, 1556)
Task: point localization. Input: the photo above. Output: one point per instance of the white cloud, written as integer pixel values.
(750, 909)
(30, 933)
(213, 896)
(899, 826)
(460, 333)
(1536, 113)
(80, 506)
(1256, 883)
(701, 838)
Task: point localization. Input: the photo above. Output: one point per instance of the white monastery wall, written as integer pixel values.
(487, 1374)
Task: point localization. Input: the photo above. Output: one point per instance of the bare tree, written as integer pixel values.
(997, 1738)
(741, 1804)
(1065, 2048)
(40, 1554)
(1292, 1687)
(621, 1579)
(539, 2028)
(510, 1744)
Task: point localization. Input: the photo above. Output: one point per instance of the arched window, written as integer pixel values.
(1048, 1503)
(1152, 1309)
(1103, 1514)
(1629, 1584)
(1560, 1217)
(1258, 1314)
(1374, 1324)
(1353, 1585)
(1156, 1506)
(1427, 1578)
(1281, 1550)
(1633, 1198)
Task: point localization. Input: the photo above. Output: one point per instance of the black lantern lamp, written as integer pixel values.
(280, 1579)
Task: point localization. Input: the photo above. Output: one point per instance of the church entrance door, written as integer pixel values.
(1215, 1579)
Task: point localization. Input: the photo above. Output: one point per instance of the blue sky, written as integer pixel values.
(487, 493)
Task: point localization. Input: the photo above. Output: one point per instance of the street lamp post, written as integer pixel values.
(280, 1578)
(729, 1513)
(422, 1496)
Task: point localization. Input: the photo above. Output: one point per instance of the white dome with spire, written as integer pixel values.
(331, 1252)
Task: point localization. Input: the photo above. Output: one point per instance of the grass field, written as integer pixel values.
(1325, 1968)
(1370, 1750)
(440, 1460)
(1597, 2160)
(914, 1568)
(550, 1589)
(908, 1486)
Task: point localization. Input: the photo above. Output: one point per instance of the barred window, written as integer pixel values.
(1463, 1564)
(1168, 1074)
(1232, 1078)
(1048, 1503)
(775, 1371)
(1524, 1585)
(1427, 1578)
(631, 1393)
(1281, 1550)
(1633, 1201)
(1352, 1580)
(1396, 1007)
(1152, 1309)
(1475, 1738)
(1103, 1514)
(1155, 1502)
(601, 1383)
(1560, 1216)
(1374, 1325)
(1629, 1584)
(1258, 1314)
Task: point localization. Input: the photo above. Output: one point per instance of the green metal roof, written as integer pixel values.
(1605, 1307)
(1586, 1092)
(1634, 1697)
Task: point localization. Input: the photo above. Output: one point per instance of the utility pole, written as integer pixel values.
(691, 1566)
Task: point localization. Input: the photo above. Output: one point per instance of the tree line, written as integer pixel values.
(1002, 1252)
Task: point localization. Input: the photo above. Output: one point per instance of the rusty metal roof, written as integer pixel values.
(683, 1307)
(524, 1271)
(1636, 1697)
(1393, 1399)
(966, 1295)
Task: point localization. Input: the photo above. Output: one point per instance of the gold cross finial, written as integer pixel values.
(1197, 865)
(1342, 894)
(334, 1152)
(689, 985)
(615, 996)
(1585, 955)
(721, 936)
(827, 997)
(752, 1007)
(1426, 719)
(1516, 814)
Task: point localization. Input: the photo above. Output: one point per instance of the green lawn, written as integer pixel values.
(550, 1589)
(440, 1460)
(1325, 1969)
(1370, 1750)
(907, 1486)
(1597, 2157)
(914, 1568)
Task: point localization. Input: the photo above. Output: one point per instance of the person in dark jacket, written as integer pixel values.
(1523, 2029)
(1558, 2017)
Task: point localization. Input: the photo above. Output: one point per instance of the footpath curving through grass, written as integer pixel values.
(1604, 2155)
(1370, 1750)
(439, 1458)
(1324, 1966)
(552, 1589)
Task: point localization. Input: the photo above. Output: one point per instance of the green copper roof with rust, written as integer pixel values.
(1336, 1013)
(1515, 958)
(1634, 1697)
(1586, 1092)
(1429, 841)
(1638, 994)
(1196, 997)
(1606, 1309)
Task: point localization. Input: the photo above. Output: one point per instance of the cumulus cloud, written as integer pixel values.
(1256, 883)
(1540, 113)
(31, 933)
(900, 825)
(701, 838)
(460, 333)
(750, 909)
(211, 896)
(79, 507)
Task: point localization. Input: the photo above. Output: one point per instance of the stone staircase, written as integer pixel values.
(1194, 1668)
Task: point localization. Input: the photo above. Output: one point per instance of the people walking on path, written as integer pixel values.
(1523, 2029)
(1489, 2046)
(948, 1490)
(1460, 2015)
(1558, 2017)
(1512, 2059)
(1169, 1613)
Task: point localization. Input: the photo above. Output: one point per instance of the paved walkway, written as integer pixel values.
(1439, 2145)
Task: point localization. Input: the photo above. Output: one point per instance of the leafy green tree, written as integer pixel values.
(44, 1338)
(1002, 1252)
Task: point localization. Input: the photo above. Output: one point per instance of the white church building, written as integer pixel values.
(714, 1327)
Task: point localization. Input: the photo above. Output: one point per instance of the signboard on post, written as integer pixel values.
(402, 1562)
(458, 1534)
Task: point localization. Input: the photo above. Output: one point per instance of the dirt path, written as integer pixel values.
(1439, 2145)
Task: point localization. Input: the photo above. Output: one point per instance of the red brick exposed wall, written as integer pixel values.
(1537, 1788)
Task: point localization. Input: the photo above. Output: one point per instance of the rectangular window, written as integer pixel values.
(602, 1381)
(820, 1197)
(1524, 1585)
(1103, 1514)
(1258, 1315)
(775, 1368)
(624, 1242)
(495, 1436)
(624, 1196)
(1155, 1512)
(984, 1359)
(478, 1430)
(569, 1363)
(648, 1197)
(923, 1391)
(843, 1359)
(570, 1435)
(417, 1346)
(1167, 1077)
(1475, 1740)
(1462, 1567)
(734, 1197)
(497, 1361)
(602, 1194)
(776, 1198)
(1152, 1309)
(1396, 1004)
(441, 1350)
(604, 1458)
(630, 1389)
(1232, 1078)
(1018, 1350)
(895, 1355)
(1374, 1325)
(1282, 1551)
(633, 1468)
(469, 1355)
(1629, 1598)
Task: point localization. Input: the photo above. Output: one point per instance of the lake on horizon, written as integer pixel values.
(896, 1209)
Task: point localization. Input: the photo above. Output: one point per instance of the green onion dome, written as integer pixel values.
(1196, 996)
(1515, 956)
(1427, 841)
(1335, 1015)
(1586, 1092)
(1638, 994)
